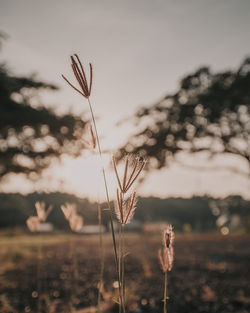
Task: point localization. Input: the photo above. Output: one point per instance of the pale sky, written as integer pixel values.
(139, 49)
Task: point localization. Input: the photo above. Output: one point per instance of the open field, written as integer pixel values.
(60, 273)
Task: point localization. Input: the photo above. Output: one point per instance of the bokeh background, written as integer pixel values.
(171, 83)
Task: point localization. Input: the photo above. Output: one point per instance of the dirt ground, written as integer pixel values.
(61, 273)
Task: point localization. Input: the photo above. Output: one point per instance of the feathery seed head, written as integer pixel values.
(90, 142)
(76, 222)
(69, 210)
(41, 212)
(70, 213)
(132, 169)
(79, 72)
(33, 223)
(168, 236)
(166, 254)
(125, 209)
(166, 258)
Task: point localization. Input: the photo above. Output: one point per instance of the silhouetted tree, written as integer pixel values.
(210, 112)
(30, 136)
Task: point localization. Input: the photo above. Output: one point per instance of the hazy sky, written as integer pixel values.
(139, 49)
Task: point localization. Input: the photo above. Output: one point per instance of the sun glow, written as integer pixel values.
(83, 176)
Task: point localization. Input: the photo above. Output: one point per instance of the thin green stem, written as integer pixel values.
(108, 200)
(165, 292)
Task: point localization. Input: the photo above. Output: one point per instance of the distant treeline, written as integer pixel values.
(196, 214)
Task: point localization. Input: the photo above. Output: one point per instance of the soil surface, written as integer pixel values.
(61, 273)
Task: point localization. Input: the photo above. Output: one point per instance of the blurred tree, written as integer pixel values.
(197, 212)
(16, 208)
(31, 135)
(210, 112)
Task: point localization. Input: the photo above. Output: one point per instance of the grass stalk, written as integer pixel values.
(101, 257)
(72, 256)
(108, 202)
(119, 260)
(165, 292)
(75, 276)
(123, 266)
(39, 258)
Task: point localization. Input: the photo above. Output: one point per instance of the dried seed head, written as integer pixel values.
(132, 169)
(90, 142)
(168, 236)
(79, 72)
(76, 222)
(166, 254)
(166, 258)
(68, 210)
(170, 255)
(33, 223)
(78, 134)
(41, 212)
(162, 258)
(125, 209)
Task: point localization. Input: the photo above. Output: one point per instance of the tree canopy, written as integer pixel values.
(209, 112)
(30, 136)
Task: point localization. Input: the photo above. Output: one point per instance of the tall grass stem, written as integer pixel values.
(123, 265)
(108, 202)
(39, 257)
(165, 292)
(101, 257)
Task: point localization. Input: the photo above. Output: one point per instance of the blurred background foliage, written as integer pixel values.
(198, 214)
(209, 112)
(31, 134)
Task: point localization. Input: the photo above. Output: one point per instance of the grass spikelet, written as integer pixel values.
(166, 259)
(68, 210)
(70, 214)
(132, 169)
(168, 237)
(76, 223)
(79, 72)
(41, 212)
(89, 143)
(125, 209)
(33, 223)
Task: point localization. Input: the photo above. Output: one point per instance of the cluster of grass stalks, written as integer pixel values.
(70, 213)
(125, 203)
(33, 223)
(166, 259)
(76, 223)
(124, 206)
